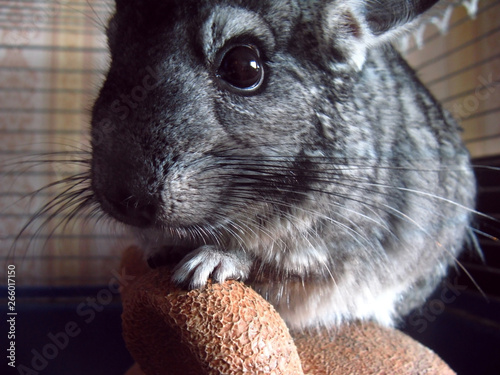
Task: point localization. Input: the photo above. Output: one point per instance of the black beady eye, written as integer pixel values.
(242, 68)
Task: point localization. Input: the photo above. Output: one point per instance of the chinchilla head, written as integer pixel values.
(214, 112)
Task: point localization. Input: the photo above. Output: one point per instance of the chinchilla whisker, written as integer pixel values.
(348, 184)
(200, 232)
(330, 274)
(414, 165)
(388, 209)
(329, 168)
(328, 218)
(468, 274)
(205, 233)
(50, 219)
(475, 242)
(355, 232)
(484, 234)
(51, 162)
(431, 196)
(212, 232)
(334, 172)
(455, 259)
(76, 206)
(261, 179)
(252, 227)
(32, 195)
(98, 20)
(243, 226)
(95, 18)
(394, 212)
(59, 199)
(234, 229)
(64, 198)
(28, 156)
(59, 224)
(488, 167)
(60, 205)
(434, 197)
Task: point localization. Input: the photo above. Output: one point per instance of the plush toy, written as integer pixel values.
(229, 329)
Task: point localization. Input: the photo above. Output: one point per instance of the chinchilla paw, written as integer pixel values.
(210, 262)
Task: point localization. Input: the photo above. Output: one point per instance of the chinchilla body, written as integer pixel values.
(285, 144)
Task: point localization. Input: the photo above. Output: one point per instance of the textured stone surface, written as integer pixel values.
(221, 329)
(366, 348)
(230, 329)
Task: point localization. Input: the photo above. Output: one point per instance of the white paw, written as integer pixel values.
(207, 261)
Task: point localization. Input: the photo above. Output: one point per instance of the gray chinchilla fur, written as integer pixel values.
(286, 144)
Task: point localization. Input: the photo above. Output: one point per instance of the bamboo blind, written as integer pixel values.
(462, 69)
(52, 59)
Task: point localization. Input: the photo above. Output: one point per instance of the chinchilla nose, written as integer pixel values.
(131, 210)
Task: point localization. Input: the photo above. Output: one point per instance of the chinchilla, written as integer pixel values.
(285, 144)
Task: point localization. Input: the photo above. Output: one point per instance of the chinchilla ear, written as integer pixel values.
(353, 26)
